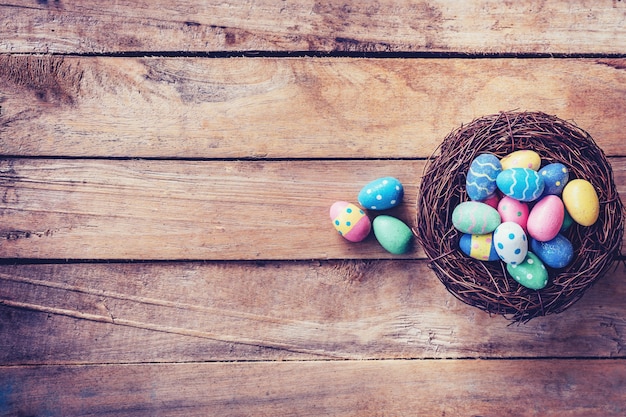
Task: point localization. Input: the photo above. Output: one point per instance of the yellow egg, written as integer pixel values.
(581, 202)
(521, 159)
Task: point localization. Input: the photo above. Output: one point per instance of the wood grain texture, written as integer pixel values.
(476, 26)
(190, 312)
(346, 388)
(193, 210)
(288, 108)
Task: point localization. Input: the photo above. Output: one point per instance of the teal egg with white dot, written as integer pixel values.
(531, 273)
(555, 177)
(381, 194)
(510, 242)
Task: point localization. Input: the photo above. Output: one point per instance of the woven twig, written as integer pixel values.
(486, 285)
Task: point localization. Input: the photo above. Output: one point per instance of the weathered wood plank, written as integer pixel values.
(288, 108)
(476, 26)
(338, 388)
(127, 313)
(102, 209)
(200, 210)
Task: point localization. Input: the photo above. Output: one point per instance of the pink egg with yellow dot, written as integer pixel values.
(350, 221)
(512, 210)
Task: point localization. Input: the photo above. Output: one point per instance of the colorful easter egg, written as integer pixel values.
(521, 159)
(556, 253)
(555, 177)
(512, 210)
(381, 194)
(581, 201)
(546, 218)
(492, 201)
(531, 273)
(392, 234)
(481, 178)
(479, 247)
(476, 218)
(510, 242)
(567, 221)
(350, 221)
(522, 184)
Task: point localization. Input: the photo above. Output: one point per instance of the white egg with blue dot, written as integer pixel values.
(510, 242)
(381, 194)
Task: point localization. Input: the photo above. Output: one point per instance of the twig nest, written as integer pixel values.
(488, 285)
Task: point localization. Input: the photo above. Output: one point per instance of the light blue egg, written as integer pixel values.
(556, 253)
(522, 184)
(381, 194)
(555, 177)
(481, 177)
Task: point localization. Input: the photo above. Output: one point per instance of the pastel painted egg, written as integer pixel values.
(567, 221)
(350, 221)
(522, 184)
(512, 210)
(581, 201)
(492, 201)
(392, 234)
(521, 159)
(556, 253)
(510, 243)
(381, 194)
(531, 273)
(475, 218)
(481, 178)
(479, 247)
(546, 218)
(555, 177)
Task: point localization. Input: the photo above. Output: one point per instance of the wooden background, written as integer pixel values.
(165, 177)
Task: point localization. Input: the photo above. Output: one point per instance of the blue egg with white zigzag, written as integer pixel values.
(481, 178)
(523, 184)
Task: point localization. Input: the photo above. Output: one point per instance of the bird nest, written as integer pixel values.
(487, 285)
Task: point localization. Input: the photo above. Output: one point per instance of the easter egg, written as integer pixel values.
(476, 218)
(481, 178)
(567, 221)
(531, 273)
(512, 210)
(479, 247)
(350, 221)
(492, 201)
(521, 159)
(392, 234)
(522, 184)
(381, 194)
(555, 177)
(581, 202)
(546, 218)
(556, 253)
(510, 242)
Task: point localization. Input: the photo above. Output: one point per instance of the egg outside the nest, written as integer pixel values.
(392, 234)
(381, 194)
(350, 221)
